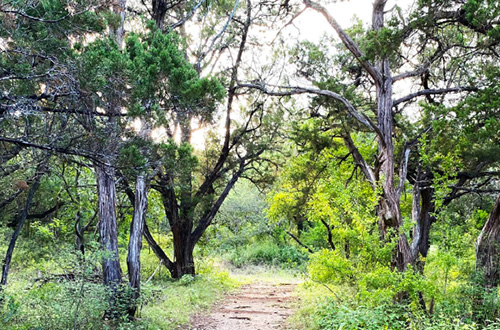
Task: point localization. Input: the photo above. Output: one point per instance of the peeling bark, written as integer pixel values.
(106, 195)
(135, 241)
(422, 210)
(488, 248)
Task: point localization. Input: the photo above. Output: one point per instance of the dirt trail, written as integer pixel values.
(256, 306)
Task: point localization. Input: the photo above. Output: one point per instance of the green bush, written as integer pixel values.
(332, 315)
(268, 253)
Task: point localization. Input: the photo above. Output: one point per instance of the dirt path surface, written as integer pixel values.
(256, 306)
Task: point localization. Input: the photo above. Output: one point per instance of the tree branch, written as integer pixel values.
(435, 92)
(209, 216)
(359, 160)
(33, 18)
(403, 168)
(299, 242)
(294, 90)
(346, 40)
(224, 154)
(66, 150)
(47, 212)
(329, 231)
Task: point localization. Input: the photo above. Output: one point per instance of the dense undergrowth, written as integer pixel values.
(330, 314)
(454, 300)
(267, 253)
(76, 298)
(338, 291)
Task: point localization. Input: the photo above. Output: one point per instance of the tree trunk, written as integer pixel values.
(422, 209)
(106, 194)
(158, 251)
(20, 224)
(488, 248)
(182, 228)
(389, 205)
(183, 250)
(160, 8)
(135, 241)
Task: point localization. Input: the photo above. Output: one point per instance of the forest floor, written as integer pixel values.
(262, 304)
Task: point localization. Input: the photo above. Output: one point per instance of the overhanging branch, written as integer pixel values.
(97, 158)
(435, 92)
(295, 90)
(346, 40)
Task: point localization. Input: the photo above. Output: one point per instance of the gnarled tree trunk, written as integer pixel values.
(106, 195)
(488, 248)
(183, 254)
(389, 205)
(135, 240)
(422, 210)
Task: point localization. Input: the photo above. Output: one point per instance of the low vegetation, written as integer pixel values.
(78, 300)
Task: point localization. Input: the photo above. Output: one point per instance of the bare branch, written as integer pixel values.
(224, 154)
(20, 142)
(299, 242)
(188, 16)
(359, 160)
(435, 92)
(294, 90)
(477, 191)
(209, 216)
(221, 32)
(38, 19)
(346, 40)
(403, 168)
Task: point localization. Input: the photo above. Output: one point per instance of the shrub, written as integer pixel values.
(332, 315)
(268, 253)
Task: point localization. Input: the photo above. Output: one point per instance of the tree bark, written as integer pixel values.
(106, 195)
(135, 241)
(160, 8)
(389, 205)
(183, 254)
(488, 249)
(422, 210)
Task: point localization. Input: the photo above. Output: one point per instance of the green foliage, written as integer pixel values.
(81, 302)
(383, 43)
(103, 72)
(332, 315)
(267, 253)
(328, 266)
(240, 221)
(159, 71)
